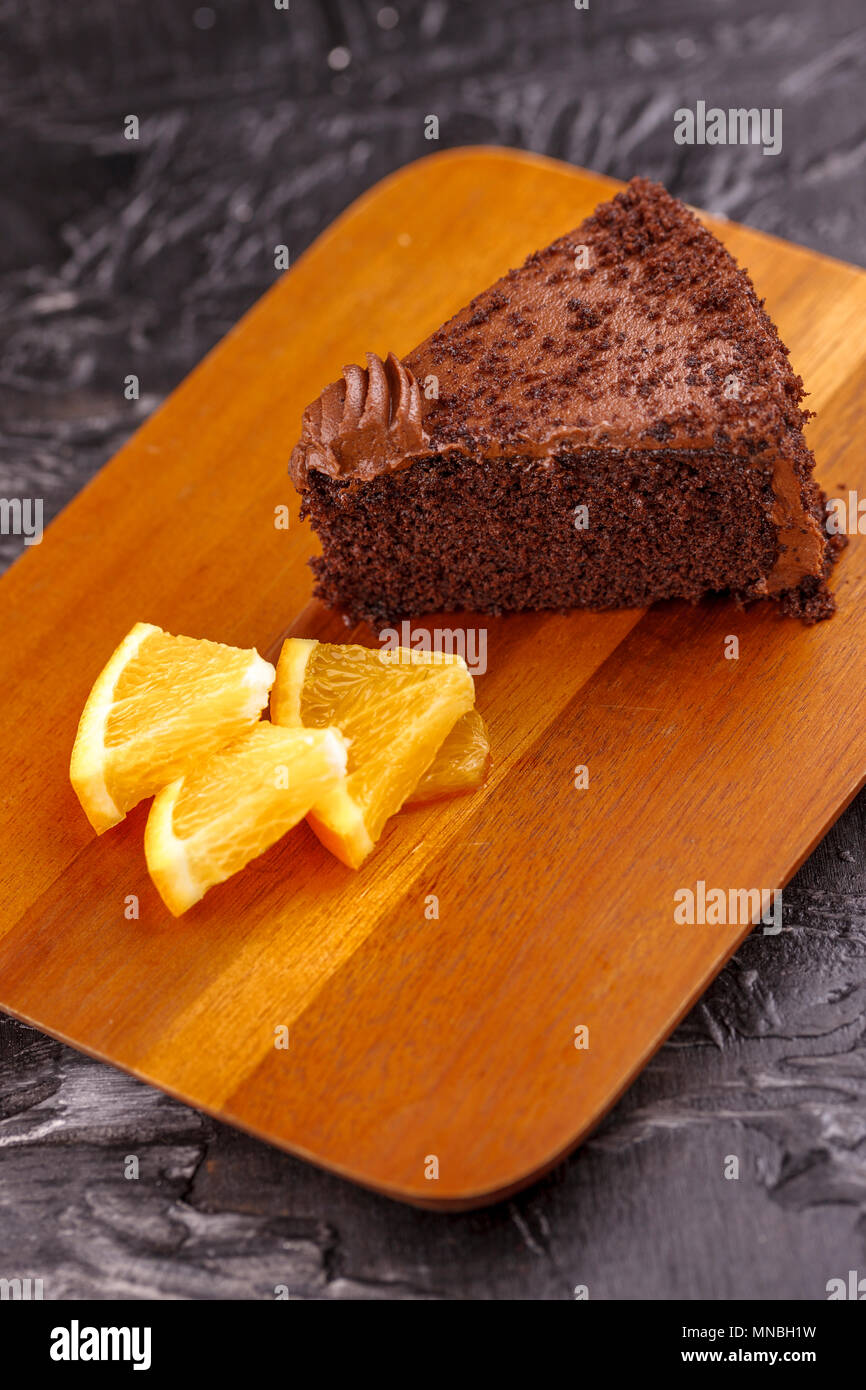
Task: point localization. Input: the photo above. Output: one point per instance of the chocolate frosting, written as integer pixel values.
(658, 341)
(363, 425)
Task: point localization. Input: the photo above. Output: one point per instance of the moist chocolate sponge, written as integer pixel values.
(508, 536)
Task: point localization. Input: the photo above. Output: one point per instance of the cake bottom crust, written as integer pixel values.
(594, 529)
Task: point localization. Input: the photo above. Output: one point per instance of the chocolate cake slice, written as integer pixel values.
(616, 422)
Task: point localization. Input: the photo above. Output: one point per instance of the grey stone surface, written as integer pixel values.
(120, 257)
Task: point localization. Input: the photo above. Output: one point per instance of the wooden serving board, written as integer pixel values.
(412, 1037)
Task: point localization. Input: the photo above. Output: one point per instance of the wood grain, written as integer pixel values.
(412, 1037)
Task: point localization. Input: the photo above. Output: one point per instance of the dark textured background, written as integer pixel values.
(120, 257)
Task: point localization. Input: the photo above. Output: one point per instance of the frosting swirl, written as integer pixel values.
(363, 425)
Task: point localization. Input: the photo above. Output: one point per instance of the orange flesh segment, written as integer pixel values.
(394, 708)
(159, 705)
(460, 765)
(231, 807)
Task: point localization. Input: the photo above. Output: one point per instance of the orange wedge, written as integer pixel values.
(160, 705)
(395, 708)
(460, 764)
(207, 825)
